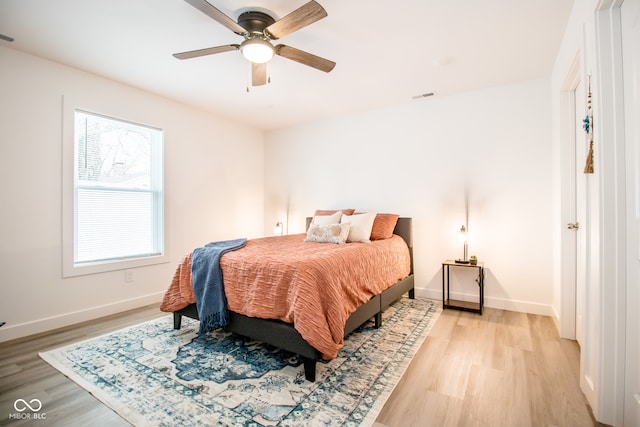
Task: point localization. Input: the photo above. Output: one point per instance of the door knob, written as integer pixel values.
(572, 226)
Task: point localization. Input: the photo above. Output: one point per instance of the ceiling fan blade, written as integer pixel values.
(299, 18)
(211, 11)
(305, 58)
(206, 51)
(258, 74)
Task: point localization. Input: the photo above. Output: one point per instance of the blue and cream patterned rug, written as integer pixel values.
(153, 375)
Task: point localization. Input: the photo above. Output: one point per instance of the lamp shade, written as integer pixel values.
(462, 234)
(257, 50)
(278, 230)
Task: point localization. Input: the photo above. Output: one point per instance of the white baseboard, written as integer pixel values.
(492, 302)
(556, 320)
(10, 332)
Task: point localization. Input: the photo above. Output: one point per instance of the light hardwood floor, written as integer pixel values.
(499, 369)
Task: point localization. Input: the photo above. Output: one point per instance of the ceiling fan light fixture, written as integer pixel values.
(258, 30)
(257, 50)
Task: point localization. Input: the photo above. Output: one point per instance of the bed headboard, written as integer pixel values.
(404, 229)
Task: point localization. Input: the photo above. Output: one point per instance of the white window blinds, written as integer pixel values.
(118, 190)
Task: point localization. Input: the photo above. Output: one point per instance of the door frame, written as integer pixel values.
(608, 363)
(602, 364)
(630, 15)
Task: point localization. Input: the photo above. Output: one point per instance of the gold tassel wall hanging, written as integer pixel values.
(588, 167)
(587, 124)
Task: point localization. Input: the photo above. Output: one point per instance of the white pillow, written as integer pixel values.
(361, 225)
(327, 219)
(332, 233)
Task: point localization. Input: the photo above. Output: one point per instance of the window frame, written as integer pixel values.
(69, 267)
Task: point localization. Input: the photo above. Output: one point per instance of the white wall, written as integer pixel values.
(417, 159)
(213, 190)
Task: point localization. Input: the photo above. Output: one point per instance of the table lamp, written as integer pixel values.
(463, 237)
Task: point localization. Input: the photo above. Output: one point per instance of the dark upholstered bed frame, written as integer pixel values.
(285, 336)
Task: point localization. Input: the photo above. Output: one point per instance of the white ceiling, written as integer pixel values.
(386, 52)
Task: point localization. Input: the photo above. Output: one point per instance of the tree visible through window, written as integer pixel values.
(118, 190)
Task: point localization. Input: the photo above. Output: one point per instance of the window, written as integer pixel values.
(118, 193)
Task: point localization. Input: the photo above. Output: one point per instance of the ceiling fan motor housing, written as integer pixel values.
(255, 22)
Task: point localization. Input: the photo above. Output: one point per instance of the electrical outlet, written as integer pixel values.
(128, 276)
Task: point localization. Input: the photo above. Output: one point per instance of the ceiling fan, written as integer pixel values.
(258, 29)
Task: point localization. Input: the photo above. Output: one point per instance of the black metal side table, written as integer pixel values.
(447, 302)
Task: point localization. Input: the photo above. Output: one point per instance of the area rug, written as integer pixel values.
(153, 375)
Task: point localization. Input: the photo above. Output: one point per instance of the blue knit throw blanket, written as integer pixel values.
(208, 287)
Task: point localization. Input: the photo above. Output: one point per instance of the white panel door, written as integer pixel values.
(630, 20)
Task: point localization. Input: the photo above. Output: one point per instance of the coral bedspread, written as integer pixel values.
(315, 286)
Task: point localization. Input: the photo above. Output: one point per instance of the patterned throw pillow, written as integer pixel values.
(332, 233)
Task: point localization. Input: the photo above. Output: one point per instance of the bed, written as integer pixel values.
(280, 332)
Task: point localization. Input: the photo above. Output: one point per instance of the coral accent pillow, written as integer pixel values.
(321, 212)
(383, 226)
(361, 225)
(332, 233)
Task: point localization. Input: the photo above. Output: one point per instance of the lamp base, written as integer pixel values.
(462, 261)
